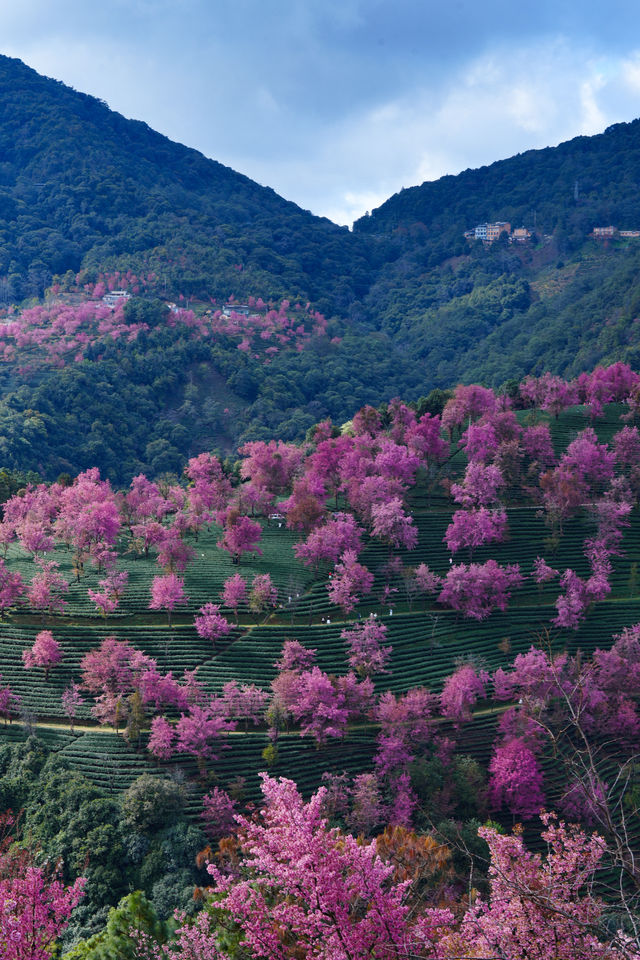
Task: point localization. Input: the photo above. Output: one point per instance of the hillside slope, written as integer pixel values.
(80, 185)
(93, 198)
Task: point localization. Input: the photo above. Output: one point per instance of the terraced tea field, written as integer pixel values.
(427, 639)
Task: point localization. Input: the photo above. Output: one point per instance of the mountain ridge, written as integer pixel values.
(89, 197)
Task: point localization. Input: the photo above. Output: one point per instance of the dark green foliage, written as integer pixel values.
(412, 306)
(456, 792)
(133, 918)
(81, 186)
(138, 840)
(150, 802)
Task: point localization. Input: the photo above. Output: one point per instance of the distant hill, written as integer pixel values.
(81, 186)
(563, 301)
(582, 183)
(410, 304)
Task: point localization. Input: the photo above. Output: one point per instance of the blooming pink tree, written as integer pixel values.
(323, 705)
(468, 402)
(167, 593)
(201, 733)
(306, 890)
(234, 593)
(328, 542)
(173, 553)
(549, 392)
(305, 508)
(88, 517)
(541, 906)
(46, 588)
(479, 588)
(270, 465)
(218, 813)
(479, 441)
(295, 656)
(480, 485)
(391, 524)
(462, 689)
(473, 528)
(537, 444)
(112, 588)
(36, 906)
(405, 727)
(11, 588)
(9, 701)
(542, 572)
(241, 535)
(210, 623)
(46, 653)
(424, 441)
(350, 580)
(161, 741)
(161, 690)
(245, 702)
(572, 605)
(425, 580)
(515, 780)
(72, 700)
(364, 642)
(111, 672)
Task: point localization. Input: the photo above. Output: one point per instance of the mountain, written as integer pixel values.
(573, 187)
(89, 199)
(81, 186)
(562, 302)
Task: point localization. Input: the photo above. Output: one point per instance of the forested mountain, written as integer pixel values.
(561, 302)
(82, 186)
(401, 306)
(585, 182)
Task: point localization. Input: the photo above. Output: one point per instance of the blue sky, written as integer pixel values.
(337, 104)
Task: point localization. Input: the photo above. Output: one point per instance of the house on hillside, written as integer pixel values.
(114, 297)
(239, 309)
(495, 229)
(488, 232)
(603, 233)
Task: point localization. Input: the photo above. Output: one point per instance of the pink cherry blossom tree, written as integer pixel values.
(241, 535)
(201, 732)
(473, 528)
(328, 542)
(461, 691)
(72, 700)
(310, 891)
(478, 588)
(218, 813)
(364, 642)
(515, 780)
(46, 652)
(390, 523)
(349, 582)
(542, 906)
(211, 624)
(263, 593)
(167, 592)
(36, 906)
(162, 738)
(45, 591)
(234, 593)
(11, 588)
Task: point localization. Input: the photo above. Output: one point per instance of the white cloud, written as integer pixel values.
(502, 103)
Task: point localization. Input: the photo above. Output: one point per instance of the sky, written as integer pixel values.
(338, 104)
